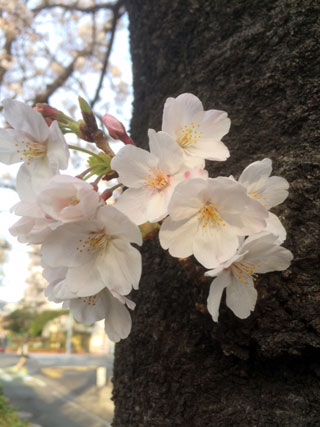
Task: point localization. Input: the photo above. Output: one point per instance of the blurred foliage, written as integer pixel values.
(25, 322)
(8, 417)
(41, 319)
(19, 321)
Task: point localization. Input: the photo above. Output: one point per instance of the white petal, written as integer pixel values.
(241, 299)
(265, 253)
(63, 246)
(23, 118)
(27, 209)
(166, 150)
(133, 165)
(10, 146)
(179, 111)
(40, 172)
(178, 236)
(132, 204)
(57, 149)
(188, 198)
(235, 207)
(275, 227)
(215, 293)
(190, 105)
(117, 224)
(191, 161)
(54, 275)
(118, 320)
(88, 310)
(59, 292)
(85, 279)
(24, 185)
(172, 116)
(213, 246)
(276, 191)
(157, 205)
(210, 149)
(213, 123)
(120, 266)
(254, 176)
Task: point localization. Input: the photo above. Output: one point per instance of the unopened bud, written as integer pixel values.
(116, 129)
(48, 112)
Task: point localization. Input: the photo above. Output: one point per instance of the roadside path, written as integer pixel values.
(67, 398)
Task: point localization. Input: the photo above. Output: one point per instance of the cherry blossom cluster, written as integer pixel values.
(87, 242)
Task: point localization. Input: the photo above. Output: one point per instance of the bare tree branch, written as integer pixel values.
(59, 81)
(9, 39)
(74, 7)
(116, 16)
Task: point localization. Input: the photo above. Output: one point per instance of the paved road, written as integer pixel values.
(58, 390)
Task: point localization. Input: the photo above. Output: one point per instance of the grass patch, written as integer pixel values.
(8, 416)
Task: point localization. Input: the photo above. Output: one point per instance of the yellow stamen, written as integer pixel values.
(260, 197)
(73, 201)
(30, 150)
(209, 215)
(89, 300)
(188, 135)
(244, 271)
(95, 242)
(156, 180)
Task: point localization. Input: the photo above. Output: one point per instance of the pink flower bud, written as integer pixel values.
(116, 129)
(47, 111)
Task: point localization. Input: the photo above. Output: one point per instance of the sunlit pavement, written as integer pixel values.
(58, 390)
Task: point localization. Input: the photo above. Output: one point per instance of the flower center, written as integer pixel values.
(156, 180)
(89, 300)
(209, 215)
(94, 242)
(73, 201)
(244, 271)
(259, 196)
(188, 135)
(28, 150)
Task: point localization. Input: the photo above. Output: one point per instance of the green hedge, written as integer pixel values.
(8, 416)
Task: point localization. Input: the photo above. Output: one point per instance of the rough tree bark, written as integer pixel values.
(259, 61)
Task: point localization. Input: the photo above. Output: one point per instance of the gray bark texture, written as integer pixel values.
(259, 61)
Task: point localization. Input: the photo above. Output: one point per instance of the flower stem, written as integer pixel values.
(84, 173)
(83, 150)
(114, 187)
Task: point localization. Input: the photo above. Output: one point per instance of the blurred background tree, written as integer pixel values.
(59, 49)
(4, 248)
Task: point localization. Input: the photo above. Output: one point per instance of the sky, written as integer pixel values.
(16, 267)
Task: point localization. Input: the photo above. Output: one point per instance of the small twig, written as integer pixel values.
(115, 19)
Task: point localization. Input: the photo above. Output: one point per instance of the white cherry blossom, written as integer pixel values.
(207, 216)
(257, 254)
(197, 132)
(97, 252)
(63, 199)
(150, 176)
(30, 140)
(68, 199)
(269, 191)
(108, 305)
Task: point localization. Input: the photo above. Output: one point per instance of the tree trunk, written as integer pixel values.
(259, 61)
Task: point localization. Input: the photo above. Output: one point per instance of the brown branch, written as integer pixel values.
(59, 81)
(7, 48)
(116, 16)
(75, 7)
